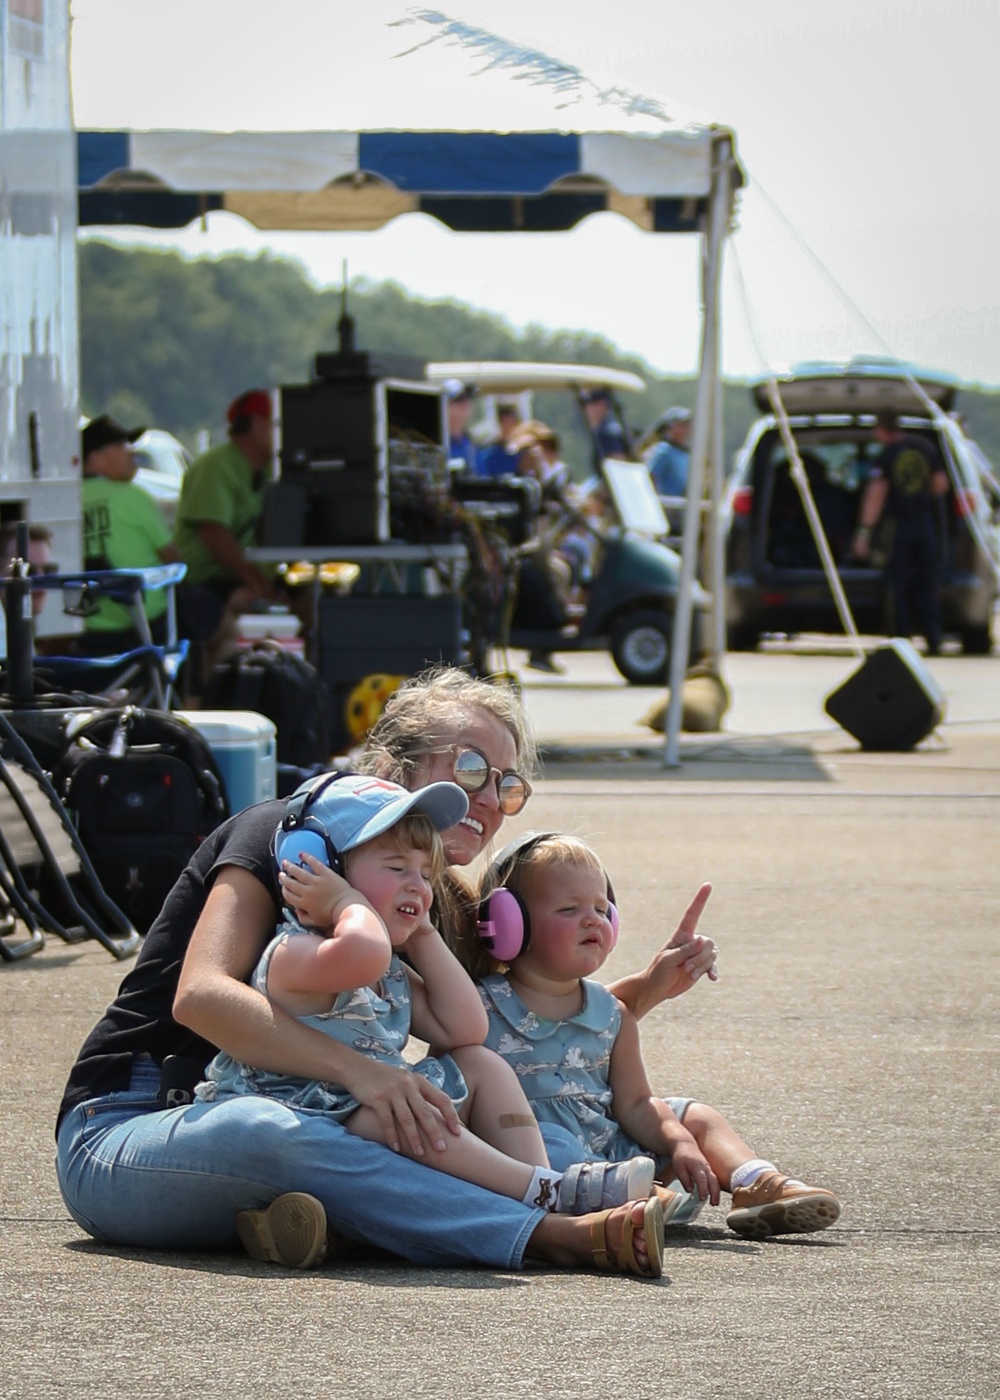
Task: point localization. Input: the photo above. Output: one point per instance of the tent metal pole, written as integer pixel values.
(717, 574)
(716, 225)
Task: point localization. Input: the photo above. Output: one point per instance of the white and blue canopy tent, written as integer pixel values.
(666, 178)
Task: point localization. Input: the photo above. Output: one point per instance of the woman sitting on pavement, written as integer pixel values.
(136, 1171)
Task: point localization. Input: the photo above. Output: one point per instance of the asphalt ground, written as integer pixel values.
(853, 1037)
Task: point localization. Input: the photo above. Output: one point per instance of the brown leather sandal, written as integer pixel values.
(625, 1260)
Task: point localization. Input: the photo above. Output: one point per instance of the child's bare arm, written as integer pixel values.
(313, 891)
(446, 1008)
(355, 953)
(649, 1120)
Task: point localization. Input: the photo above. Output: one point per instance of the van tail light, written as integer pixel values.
(965, 503)
(743, 501)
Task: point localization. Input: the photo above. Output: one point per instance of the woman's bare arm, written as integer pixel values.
(683, 959)
(215, 1001)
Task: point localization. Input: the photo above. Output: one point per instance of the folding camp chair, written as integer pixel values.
(147, 673)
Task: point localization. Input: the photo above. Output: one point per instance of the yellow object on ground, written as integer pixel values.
(366, 702)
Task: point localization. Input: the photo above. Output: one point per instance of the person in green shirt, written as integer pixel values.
(123, 528)
(221, 501)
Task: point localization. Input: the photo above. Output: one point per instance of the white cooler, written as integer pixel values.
(244, 745)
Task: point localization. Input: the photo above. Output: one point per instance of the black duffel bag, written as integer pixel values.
(286, 689)
(144, 790)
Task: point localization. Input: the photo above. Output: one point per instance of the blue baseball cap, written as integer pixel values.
(356, 808)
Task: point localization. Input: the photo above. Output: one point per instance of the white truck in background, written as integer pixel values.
(39, 341)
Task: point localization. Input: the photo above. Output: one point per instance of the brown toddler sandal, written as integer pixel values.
(291, 1231)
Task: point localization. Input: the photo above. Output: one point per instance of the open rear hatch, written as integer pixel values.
(860, 386)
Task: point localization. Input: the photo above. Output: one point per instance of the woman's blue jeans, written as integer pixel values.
(134, 1174)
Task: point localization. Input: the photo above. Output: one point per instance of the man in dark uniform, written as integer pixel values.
(608, 435)
(906, 485)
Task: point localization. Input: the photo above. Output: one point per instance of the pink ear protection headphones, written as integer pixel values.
(503, 920)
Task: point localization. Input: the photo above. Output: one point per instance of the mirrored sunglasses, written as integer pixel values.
(473, 771)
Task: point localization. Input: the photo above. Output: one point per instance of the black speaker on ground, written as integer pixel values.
(387, 634)
(891, 701)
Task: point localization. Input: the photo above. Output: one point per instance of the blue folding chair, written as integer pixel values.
(147, 672)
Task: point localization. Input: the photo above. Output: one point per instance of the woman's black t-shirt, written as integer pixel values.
(140, 1019)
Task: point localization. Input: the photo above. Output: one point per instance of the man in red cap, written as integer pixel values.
(221, 501)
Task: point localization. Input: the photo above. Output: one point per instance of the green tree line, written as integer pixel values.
(169, 341)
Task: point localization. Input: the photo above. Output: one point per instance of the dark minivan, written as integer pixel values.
(775, 582)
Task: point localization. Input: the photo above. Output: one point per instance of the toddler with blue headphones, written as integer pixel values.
(369, 854)
(547, 914)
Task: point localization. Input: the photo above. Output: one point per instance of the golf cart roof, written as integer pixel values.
(865, 384)
(518, 376)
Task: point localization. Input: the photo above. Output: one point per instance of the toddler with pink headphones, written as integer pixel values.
(547, 914)
(367, 853)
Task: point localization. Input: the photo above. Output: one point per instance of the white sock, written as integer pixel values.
(543, 1190)
(748, 1173)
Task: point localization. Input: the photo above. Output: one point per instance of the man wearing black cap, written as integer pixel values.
(221, 501)
(123, 527)
(607, 433)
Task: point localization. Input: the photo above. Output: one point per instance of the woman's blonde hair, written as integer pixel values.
(425, 712)
(429, 710)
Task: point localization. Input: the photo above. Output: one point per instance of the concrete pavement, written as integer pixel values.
(854, 1037)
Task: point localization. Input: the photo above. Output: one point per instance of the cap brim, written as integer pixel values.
(444, 803)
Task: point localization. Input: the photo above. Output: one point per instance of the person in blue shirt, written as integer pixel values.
(497, 458)
(460, 399)
(670, 459)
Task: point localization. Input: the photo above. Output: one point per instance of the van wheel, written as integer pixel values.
(976, 641)
(741, 636)
(640, 646)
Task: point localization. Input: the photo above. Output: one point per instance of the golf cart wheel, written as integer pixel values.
(640, 646)
(977, 641)
(741, 636)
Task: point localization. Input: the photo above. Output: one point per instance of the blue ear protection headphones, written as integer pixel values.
(503, 920)
(299, 831)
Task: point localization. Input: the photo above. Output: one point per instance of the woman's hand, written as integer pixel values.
(408, 1107)
(312, 892)
(686, 957)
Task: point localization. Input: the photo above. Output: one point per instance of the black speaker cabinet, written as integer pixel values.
(336, 438)
(394, 634)
(891, 701)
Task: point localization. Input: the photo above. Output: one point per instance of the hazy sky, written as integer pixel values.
(871, 126)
